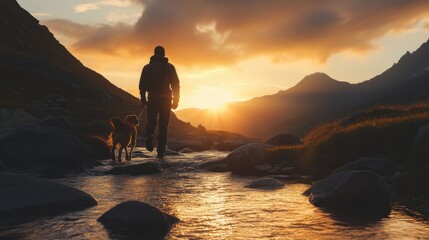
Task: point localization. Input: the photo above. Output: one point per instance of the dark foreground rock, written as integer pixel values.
(381, 166)
(147, 168)
(420, 181)
(138, 218)
(26, 196)
(48, 172)
(2, 166)
(421, 148)
(96, 148)
(284, 140)
(217, 165)
(351, 189)
(37, 145)
(229, 145)
(243, 159)
(265, 183)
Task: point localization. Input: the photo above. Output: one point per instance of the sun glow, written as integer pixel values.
(213, 98)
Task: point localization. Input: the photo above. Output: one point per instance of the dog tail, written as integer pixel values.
(116, 123)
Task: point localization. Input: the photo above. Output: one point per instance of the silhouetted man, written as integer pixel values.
(159, 79)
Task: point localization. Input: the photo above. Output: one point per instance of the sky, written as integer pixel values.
(235, 50)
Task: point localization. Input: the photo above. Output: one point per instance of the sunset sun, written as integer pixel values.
(213, 98)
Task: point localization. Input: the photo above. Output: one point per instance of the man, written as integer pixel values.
(159, 79)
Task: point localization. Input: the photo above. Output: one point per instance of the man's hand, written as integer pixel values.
(174, 105)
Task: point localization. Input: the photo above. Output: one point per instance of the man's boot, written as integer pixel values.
(160, 152)
(149, 143)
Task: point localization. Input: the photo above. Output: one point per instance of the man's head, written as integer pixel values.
(160, 51)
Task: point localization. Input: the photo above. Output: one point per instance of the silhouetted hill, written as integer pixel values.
(318, 82)
(318, 99)
(40, 78)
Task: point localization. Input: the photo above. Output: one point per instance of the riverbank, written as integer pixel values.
(215, 205)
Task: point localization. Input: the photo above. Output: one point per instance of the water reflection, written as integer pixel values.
(217, 206)
(358, 217)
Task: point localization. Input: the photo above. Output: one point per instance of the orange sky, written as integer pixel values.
(229, 50)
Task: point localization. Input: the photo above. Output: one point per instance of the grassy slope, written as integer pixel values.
(387, 131)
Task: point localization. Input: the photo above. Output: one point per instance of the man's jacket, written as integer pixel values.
(159, 78)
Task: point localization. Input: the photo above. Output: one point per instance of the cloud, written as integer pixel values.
(218, 32)
(120, 16)
(70, 29)
(85, 7)
(41, 14)
(121, 40)
(93, 6)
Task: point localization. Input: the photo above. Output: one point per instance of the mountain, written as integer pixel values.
(318, 98)
(39, 77)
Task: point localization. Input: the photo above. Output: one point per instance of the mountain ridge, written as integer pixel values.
(41, 78)
(318, 98)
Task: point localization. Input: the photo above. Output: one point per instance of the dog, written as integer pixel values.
(125, 134)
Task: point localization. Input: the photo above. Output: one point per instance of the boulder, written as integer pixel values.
(217, 165)
(37, 145)
(229, 145)
(421, 148)
(23, 195)
(381, 166)
(48, 172)
(351, 189)
(288, 170)
(2, 166)
(97, 148)
(243, 159)
(147, 168)
(262, 169)
(265, 183)
(284, 140)
(138, 218)
(15, 117)
(399, 182)
(60, 122)
(420, 179)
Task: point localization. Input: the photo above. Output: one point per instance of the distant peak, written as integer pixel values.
(317, 77)
(318, 81)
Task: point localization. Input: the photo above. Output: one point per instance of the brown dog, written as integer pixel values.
(124, 134)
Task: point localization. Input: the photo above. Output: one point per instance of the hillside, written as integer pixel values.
(318, 98)
(40, 78)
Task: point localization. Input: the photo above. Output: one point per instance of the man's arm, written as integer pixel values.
(175, 86)
(143, 86)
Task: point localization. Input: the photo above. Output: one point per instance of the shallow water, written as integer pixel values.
(216, 206)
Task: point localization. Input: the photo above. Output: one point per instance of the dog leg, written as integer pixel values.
(113, 150)
(113, 153)
(120, 154)
(131, 152)
(126, 153)
(133, 141)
